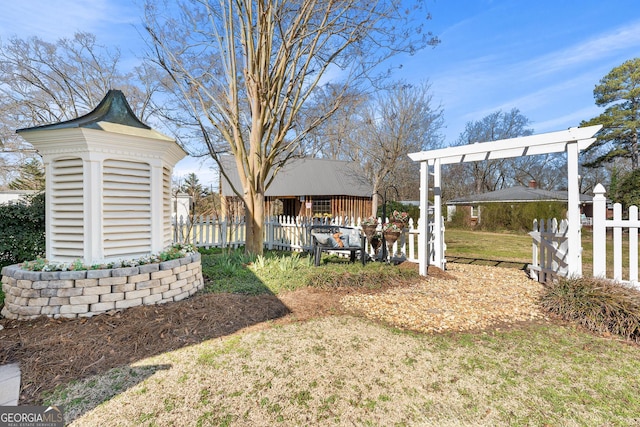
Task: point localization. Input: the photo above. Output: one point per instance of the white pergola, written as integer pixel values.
(571, 141)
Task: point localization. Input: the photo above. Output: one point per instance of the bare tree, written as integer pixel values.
(246, 68)
(488, 175)
(332, 138)
(43, 82)
(399, 121)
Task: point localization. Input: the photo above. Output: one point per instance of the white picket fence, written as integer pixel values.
(619, 227)
(550, 244)
(549, 250)
(283, 233)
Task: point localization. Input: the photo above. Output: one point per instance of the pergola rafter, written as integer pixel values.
(571, 141)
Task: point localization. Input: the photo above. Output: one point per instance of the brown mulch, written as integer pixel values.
(53, 352)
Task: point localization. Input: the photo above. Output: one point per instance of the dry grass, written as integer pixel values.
(346, 370)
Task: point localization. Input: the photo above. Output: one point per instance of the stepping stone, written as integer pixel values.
(9, 384)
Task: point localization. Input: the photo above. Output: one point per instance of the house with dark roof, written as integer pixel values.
(307, 187)
(518, 194)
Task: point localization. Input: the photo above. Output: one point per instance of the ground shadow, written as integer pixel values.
(489, 262)
(53, 352)
(82, 396)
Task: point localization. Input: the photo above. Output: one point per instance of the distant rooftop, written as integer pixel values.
(307, 177)
(517, 194)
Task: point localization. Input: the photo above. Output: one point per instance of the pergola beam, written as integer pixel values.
(543, 143)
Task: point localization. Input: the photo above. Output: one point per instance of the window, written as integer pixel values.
(474, 211)
(322, 206)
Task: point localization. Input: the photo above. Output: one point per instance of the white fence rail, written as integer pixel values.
(549, 250)
(282, 233)
(619, 226)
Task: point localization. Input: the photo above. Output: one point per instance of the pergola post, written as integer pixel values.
(438, 244)
(574, 255)
(423, 236)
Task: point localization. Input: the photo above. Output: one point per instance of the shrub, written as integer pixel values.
(599, 305)
(22, 230)
(412, 211)
(518, 216)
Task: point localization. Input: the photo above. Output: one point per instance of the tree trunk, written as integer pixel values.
(254, 218)
(375, 202)
(635, 153)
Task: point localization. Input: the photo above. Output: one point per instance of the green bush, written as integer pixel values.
(459, 219)
(22, 230)
(518, 216)
(599, 305)
(411, 210)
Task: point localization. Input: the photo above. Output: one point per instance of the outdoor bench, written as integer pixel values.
(337, 238)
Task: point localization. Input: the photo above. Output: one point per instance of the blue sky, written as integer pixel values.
(542, 57)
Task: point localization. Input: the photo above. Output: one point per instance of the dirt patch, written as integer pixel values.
(433, 272)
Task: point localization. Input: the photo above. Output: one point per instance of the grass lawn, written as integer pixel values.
(346, 370)
(517, 247)
(342, 370)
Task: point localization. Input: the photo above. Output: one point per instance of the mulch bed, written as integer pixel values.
(54, 352)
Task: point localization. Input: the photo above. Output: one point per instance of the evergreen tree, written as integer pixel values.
(627, 190)
(619, 92)
(31, 176)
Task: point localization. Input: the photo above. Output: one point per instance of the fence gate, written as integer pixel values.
(549, 250)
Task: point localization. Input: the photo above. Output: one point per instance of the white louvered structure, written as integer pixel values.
(66, 207)
(108, 178)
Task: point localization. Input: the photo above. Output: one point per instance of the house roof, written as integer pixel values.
(518, 194)
(307, 177)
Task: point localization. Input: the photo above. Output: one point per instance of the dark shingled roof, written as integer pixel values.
(113, 108)
(307, 177)
(517, 194)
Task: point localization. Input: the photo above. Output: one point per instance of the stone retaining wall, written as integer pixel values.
(70, 294)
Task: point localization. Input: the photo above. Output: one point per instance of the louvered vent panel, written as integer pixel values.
(126, 208)
(67, 210)
(166, 207)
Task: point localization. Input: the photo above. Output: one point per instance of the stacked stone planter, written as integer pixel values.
(71, 294)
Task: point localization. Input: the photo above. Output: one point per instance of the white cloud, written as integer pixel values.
(592, 50)
(55, 19)
(568, 120)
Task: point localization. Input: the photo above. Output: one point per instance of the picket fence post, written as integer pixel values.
(599, 232)
(633, 245)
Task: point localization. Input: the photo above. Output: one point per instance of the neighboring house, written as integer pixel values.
(519, 194)
(307, 187)
(7, 196)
